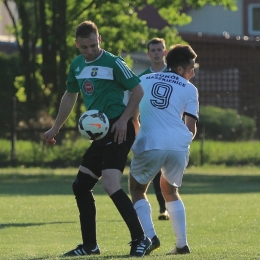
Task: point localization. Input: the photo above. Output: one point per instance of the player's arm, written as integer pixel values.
(120, 126)
(190, 122)
(133, 103)
(67, 103)
(191, 114)
(136, 121)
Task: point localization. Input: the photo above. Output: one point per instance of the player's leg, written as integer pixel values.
(164, 215)
(82, 188)
(141, 175)
(144, 211)
(142, 205)
(88, 175)
(111, 183)
(114, 160)
(171, 179)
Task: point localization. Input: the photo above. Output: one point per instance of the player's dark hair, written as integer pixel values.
(155, 41)
(84, 29)
(179, 55)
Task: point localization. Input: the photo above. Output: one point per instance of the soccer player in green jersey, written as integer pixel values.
(156, 50)
(102, 78)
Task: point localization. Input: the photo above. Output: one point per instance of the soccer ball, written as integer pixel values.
(93, 125)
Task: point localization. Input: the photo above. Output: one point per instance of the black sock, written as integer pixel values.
(158, 192)
(87, 216)
(128, 213)
(82, 188)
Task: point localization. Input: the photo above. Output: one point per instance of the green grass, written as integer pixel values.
(39, 217)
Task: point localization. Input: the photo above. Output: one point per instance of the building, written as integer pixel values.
(228, 47)
(7, 41)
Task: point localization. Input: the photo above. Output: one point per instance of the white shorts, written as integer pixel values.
(145, 166)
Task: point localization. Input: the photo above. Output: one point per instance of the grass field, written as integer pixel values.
(39, 217)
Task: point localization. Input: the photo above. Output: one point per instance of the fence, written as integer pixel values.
(228, 74)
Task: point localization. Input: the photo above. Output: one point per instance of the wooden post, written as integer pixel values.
(202, 146)
(14, 134)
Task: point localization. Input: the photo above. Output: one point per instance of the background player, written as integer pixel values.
(163, 141)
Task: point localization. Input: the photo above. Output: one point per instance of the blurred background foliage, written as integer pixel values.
(225, 125)
(37, 74)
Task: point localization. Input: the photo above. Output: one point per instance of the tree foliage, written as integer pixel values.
(10, 69)
(45, 37)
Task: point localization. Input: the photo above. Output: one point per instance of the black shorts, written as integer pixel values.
(106, 154)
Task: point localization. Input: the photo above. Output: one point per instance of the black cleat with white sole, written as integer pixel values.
(179, 251)
(140, 246)
(81, 250)
(154, 246)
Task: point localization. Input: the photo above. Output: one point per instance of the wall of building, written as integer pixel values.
(228, 75)
(5, 19)
(214, 20)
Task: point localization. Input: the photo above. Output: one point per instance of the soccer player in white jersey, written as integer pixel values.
(102, 78)
(156, 51)
(163, 140)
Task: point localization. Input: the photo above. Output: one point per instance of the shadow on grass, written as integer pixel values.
(21, 184)
(202, 184)
(7, 225)
(93, 257)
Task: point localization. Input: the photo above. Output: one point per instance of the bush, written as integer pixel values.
(69, 153)
(33, 154)
(225, 124)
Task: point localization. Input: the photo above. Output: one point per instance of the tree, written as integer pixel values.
(45, 37)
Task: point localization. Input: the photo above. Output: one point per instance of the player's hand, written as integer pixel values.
(49, 136)
(120, 129)
(51, 141)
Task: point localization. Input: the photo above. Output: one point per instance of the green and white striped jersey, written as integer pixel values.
(102, 82)
(149, 70)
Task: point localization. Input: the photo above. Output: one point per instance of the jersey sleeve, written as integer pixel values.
(72, 83)
(124, 76)
(147, 71)
(192, 107)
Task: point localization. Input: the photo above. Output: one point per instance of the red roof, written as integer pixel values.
(151, 16)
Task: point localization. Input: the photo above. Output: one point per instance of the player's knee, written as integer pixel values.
(83, 184)
(138, 188)
(171, 194)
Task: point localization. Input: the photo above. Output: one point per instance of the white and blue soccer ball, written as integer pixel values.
(93, 125)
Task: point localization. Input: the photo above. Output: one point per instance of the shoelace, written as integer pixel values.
(138, 244)
(133, 242)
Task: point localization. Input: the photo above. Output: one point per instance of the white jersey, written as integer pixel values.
(167, 97)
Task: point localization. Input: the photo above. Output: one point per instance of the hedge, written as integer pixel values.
(69, 153)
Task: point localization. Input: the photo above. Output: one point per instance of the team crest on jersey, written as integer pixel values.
(88, 87)
(94, 72)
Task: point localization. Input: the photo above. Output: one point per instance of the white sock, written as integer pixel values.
(176, 210)
(143, 210)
